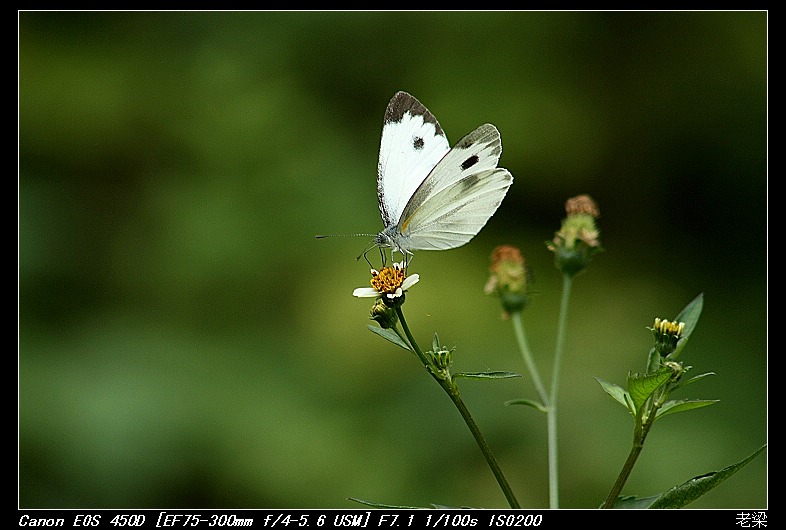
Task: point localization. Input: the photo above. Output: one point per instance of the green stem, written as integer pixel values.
(551, 413)
(567, 283)
(521, 339)
(411, 339)
(452, 390)
(624, 474)
(551, 432)
(639, 435)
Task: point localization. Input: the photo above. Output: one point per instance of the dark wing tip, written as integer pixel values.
(403, 102)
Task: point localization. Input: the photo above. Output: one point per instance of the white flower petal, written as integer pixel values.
(396, 294)
(409, 281)
(365, 292)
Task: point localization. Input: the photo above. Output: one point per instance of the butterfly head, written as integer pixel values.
(391, 238)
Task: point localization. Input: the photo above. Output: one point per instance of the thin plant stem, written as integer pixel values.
(567, 283)
(548, 400)
(624, 474)
(639, 435)
(521, 340)
(551, 424)
(452, 390)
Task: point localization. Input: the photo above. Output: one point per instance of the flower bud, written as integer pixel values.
(577, 241)
(383, 314)
(676, 368)
(667, 335)
(509, 278)
(442, 358)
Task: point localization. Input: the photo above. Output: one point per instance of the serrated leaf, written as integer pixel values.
(685, 493)
(486, 375)
(641, 387)
(389, 335)
(683, 405)
(528, 402)
(615, 391)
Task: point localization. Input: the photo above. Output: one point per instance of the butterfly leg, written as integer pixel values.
(406, 258)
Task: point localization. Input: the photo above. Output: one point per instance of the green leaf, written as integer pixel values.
(615, 391)
(691, 490)
(683, 405)
(653, 360)
(685, 382)
(690, 316)
(385, 506)
(390, 335)
(435, 342)
(528, 402)
(401, 507)
(634, 503)
(486, 375)
(641, 387)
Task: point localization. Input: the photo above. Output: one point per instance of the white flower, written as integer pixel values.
(391, 282)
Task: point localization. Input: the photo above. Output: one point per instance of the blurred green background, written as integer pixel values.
(185, 341)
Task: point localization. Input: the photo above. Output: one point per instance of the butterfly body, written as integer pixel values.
(432, 196)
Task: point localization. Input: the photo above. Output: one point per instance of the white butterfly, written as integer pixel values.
(432, 196)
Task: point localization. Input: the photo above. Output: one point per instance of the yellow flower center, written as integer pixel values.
(388, 279)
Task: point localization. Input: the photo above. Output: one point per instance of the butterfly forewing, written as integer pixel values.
(412, 144)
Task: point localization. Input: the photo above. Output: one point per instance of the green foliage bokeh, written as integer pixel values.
(185, 341)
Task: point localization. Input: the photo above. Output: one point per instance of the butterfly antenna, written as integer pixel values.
(365, 252)
(325, 236)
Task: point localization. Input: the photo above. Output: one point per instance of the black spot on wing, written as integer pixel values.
(469, 162)
(417, 143)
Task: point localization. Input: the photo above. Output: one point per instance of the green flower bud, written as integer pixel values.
(384, 314)
(577, 241)
(442, 359)
(667, 335)
(677, 368)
